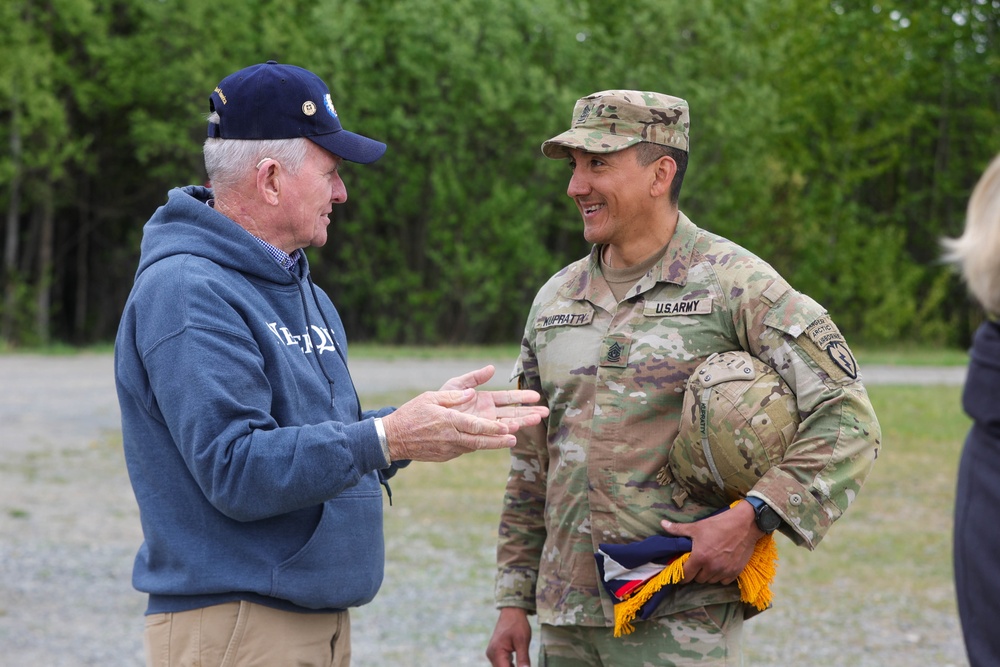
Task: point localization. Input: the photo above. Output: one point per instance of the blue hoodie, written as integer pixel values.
(255, 471)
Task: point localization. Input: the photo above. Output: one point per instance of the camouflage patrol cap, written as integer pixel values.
(613, 120)
(737, 420)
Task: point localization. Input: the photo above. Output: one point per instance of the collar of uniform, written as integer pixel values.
(585, 281)
(677, 258)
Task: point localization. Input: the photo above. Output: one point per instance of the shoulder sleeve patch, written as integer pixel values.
(825, 335)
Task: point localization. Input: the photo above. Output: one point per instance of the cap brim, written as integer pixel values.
(592, 141)
(352, 147)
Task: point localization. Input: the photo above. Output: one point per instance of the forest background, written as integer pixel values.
(838, 140)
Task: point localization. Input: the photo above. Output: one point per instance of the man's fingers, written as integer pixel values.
(494, 442)
(515, 424)
(470, 380)
(478, 426)
(449, 398)
(514, 397)
(677, 529)
(521, 645)
(522, 412)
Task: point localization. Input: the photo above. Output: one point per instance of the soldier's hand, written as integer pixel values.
(721, 544)
(511, 639)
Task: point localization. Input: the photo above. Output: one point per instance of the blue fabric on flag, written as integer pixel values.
(658, 549)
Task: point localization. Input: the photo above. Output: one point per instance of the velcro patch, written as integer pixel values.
(825, 334)
(614, 351)
(678, 307)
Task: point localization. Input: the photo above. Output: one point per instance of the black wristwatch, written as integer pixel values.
(767, 519)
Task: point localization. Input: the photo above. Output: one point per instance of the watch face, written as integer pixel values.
(767, 519)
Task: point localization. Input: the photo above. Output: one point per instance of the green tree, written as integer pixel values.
(38, 100)
(837, 139)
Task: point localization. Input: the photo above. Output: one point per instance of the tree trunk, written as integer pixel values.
(11, 237)
(44, 276)
(82, 270)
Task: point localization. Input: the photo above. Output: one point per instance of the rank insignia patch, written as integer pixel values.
(614, 352)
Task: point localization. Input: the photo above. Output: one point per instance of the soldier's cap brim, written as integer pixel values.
(586, 139)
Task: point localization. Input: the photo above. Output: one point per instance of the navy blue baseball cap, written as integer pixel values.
(272, 101)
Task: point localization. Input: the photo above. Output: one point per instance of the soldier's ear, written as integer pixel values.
(664, 170)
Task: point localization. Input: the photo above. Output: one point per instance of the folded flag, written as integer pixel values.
(640, 574)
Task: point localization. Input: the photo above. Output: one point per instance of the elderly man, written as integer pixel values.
(610, 342)
(256, 471)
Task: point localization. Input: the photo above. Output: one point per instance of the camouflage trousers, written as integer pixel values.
(707, 637)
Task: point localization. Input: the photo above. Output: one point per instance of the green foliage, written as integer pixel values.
(839, 140)
(21, 311)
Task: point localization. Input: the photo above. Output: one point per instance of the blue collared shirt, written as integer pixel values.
(279, 255)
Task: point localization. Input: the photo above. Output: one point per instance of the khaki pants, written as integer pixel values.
(244, 634)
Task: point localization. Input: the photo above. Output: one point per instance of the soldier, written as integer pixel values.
(610, 343)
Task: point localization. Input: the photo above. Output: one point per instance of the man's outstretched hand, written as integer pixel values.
(442, 425)
(506, 406)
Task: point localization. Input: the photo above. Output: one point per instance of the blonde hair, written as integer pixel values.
(977, 251)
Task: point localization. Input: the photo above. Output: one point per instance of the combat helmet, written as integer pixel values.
(737, 420)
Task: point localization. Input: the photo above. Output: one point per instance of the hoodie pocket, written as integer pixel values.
(342, 564)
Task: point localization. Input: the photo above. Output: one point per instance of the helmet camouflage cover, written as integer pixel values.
(737, 420)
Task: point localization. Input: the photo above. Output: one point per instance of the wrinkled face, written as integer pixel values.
(612, 192)
(307, 199)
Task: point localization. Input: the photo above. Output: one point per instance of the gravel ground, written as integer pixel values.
(69, 529)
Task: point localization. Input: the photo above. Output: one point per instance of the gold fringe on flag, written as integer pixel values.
(626, 610)
(754, 581)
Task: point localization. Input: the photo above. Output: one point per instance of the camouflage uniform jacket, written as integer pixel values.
(613, 375)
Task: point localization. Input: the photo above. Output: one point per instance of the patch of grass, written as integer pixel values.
(450, 506)
(57, 349)
(905, 354)
(390, 352)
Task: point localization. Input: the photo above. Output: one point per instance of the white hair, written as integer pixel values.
(228, 161)
(977, 251)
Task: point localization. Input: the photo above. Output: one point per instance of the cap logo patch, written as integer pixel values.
(329, 105)
(309, 108)
(222, 95)
(584, 114)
